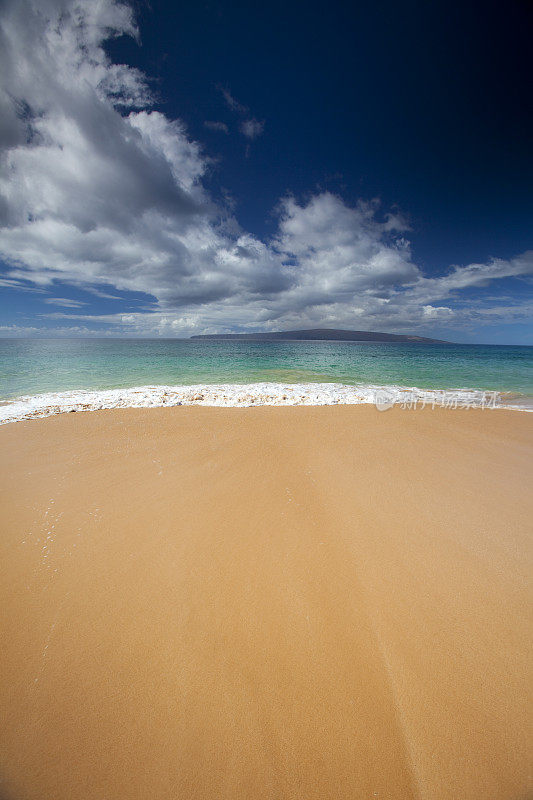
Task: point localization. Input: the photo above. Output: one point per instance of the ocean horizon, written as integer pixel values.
(43, 376)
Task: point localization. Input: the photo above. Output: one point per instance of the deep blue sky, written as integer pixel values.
(424, 105)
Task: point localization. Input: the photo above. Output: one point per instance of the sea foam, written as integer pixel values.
(245, 395)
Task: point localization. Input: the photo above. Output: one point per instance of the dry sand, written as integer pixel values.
(266, 603)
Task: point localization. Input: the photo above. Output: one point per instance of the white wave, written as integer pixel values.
(237, 395)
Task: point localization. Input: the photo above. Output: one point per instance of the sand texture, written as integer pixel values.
(284, 603)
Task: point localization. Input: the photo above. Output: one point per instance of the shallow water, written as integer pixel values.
(35, 366)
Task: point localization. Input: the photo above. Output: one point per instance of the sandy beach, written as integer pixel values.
(239, 604)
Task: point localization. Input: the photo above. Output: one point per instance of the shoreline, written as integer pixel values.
(256, 394)
(284, 602)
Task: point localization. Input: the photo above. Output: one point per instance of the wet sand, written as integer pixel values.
(203, 603)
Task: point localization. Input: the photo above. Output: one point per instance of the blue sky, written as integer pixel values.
(180, 168)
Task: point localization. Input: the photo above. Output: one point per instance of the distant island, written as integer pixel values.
(322, 334)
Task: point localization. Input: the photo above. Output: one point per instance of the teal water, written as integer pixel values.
(34, 366)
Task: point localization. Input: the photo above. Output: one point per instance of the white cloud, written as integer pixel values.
(91, 195)
(217, 126)
(437, 313)
(38, 331)
(65, 302)
(97, 189)
(340, 249)
(252, 128)
(232, 103)
(100, 293)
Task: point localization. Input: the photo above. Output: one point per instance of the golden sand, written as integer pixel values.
(303, 603)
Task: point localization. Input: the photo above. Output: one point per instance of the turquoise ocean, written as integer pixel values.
(36, 367)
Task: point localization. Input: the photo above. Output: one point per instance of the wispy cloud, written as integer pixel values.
(19, 285)
(231, 102)
(64, 301)
(101, 293)
(252, 128)
(217, 126)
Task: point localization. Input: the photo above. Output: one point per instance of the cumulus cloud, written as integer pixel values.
(101, 191)
(340, 249)
(94, 192)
